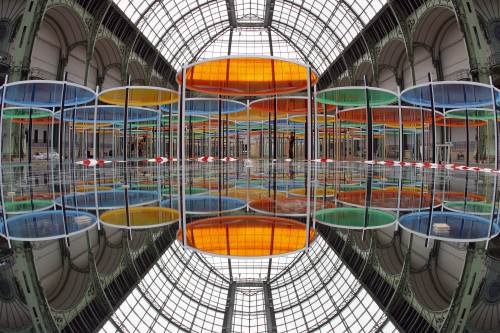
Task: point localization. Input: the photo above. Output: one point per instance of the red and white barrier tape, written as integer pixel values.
(428, 165)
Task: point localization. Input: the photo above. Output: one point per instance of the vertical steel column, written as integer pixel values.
(220, 129)
(61, 131)
(325, 131)
(248, 129)
(401, 129)
(316, 127)
(2, 102)
(495, 123)
(125, 158)
(433, 123)
(96, 200)
(308, 157)
(181, 155)
(275, 125)
(369, 122)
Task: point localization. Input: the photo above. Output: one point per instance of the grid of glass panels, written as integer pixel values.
(249, 310)
(250, 11)
(317, 30)
(250, 41)
(188, 292)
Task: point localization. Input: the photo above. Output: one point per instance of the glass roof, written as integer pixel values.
(312, 31)
(190, 292)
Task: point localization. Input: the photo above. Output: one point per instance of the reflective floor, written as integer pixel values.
(239, 209)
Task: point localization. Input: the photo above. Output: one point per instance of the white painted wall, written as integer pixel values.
(423, 65)
(453, 53)
(76, 65)
(387, 80)
(407, 76)
(46, 51)
(112, 78)
(92, 75)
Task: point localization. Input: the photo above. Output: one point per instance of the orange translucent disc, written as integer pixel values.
(246, 236)
(251, 193)
(460, 196)
(388, 198)
(410, 116)
(453, 122)
(247, 76)
(288, 206)
(212, 124)
(290, 105)
(253, 115)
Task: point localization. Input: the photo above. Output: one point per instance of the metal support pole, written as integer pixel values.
(495, 122)
(308, 158)
(433, 123)
(369, 122)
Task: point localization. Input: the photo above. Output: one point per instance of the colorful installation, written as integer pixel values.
(449, 226)
(247, 236)
(246, 76)
(355, 218)
(143, 157)
(140, 217)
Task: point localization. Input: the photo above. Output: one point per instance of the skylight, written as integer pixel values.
(189, 292)
(316, 30)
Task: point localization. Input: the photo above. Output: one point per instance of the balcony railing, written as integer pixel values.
(5, 59)
(495, 59)
(41, 74)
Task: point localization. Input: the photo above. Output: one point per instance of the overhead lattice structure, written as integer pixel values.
(314, 32)
(190, 292)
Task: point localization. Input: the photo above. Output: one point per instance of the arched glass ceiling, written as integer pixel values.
(188, 292)
(316, 30)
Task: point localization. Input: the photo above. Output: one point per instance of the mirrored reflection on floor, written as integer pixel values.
(238, 209)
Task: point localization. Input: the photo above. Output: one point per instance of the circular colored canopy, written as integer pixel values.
(246, 236)
(253, 115)
(452, 122)
(472, 114)
(291, 207)
(212, 124)
(388, 199)
(37, 121)
(26, 206)
(140, 217)
(247, 76)
(251, 193)
(449, 226)
(321, 119)
(319, 192)
(24, 113)
(470, 207)
(355, 218)
(209, 105)
(107, 199)
(450, 95)
(46, 94)
(167, 190)
(108, 114)
(457, 196)
(47, 225)
(287, 104)
(389, 115)
(356, 96)
(207, 205)
(139, 96)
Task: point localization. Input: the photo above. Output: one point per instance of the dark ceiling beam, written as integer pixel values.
(268, 17)
(231, 13)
